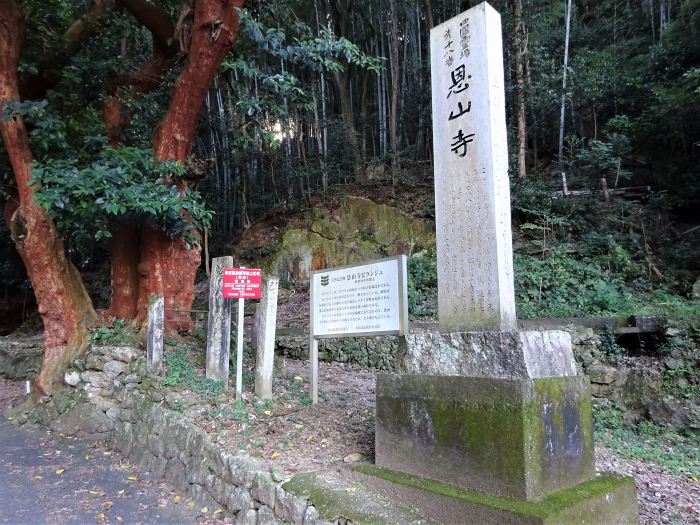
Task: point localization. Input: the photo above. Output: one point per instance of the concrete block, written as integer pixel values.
(519, 438)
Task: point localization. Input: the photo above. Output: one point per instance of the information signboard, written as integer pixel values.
(242, 283)
(367, 299)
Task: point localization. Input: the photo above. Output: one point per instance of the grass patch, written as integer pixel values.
(181, 372)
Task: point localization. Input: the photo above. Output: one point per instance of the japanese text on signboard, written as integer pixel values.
(242, 283)
(358, 300)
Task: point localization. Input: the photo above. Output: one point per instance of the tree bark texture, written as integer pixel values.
(63, 303)
(168, 267)
(214, 30)
(520, 50)
(125, 274)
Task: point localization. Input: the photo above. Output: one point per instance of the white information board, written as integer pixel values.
(362, 300)
(358, 300)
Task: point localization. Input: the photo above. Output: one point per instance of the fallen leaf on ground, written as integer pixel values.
(60, 471)
(176, 500)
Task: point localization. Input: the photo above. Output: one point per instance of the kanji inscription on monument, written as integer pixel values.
(472, 194)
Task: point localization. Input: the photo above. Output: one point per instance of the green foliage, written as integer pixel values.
(119, 333)
(563, 286)
(238, 412)
(123, 183)
(182, 373)
(422, 286)
(582, 257)
(609, 346)
(676, 453)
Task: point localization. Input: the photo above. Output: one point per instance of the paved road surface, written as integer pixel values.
(48, 479)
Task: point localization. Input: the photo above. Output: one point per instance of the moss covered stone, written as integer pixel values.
(604, 499)
(514, 438)
(358, 231)
(336, 498)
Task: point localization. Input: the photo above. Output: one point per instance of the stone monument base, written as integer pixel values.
(513, 438)
(604, 500)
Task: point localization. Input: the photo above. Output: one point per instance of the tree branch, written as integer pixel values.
(34, 86)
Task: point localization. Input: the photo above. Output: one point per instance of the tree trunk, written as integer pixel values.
(562, 114)
(395, 89)
(168, 267)
(125, 275)
(520, 50)
(63, 303)
(342, 83)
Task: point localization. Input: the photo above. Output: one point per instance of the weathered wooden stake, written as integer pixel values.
(219, 324)
(154, 344)
(265, 338)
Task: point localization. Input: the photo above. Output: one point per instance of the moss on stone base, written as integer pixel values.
(603, 498)
(514, 438)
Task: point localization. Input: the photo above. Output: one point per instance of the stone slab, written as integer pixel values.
(472, 190)
(508, 355)
(604, 500)
(518, 438)
(265, 339)
(219, 323)
(154, 342)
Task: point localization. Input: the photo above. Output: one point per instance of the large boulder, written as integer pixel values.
(359, 230)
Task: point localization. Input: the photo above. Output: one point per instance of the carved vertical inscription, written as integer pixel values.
(472, 194)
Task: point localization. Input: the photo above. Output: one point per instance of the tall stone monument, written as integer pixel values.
(472, 192)
(485, 424)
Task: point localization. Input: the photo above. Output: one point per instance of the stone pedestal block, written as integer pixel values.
(605, 500)
(509, 355)
(518, 438)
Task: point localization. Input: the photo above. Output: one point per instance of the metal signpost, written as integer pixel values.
(241, 283)
(358, 300)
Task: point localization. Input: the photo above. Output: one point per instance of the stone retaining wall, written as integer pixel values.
(369, 352)
(111, 398)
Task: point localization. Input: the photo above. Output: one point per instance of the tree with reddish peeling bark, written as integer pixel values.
(64, 305)
(165, 264)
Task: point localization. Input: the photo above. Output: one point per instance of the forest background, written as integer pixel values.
(332, 97)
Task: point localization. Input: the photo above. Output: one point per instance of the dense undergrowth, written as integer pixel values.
(576, 257)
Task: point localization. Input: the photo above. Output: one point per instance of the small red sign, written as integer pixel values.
(242, 283)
